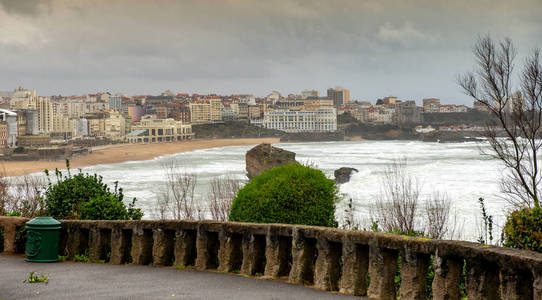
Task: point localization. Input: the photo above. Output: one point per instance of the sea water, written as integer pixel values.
(459, 170)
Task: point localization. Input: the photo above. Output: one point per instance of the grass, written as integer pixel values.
(34, 277)
(62, 258)
(80, 257)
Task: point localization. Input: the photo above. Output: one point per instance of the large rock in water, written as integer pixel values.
(264, 157)
(342, 175)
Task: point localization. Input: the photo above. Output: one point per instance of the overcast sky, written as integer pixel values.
(409, 48)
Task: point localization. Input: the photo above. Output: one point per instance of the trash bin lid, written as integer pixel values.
(43, 222)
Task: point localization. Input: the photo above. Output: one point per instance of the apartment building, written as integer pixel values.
(431, 105)
(321, 120)
(151, 130)
(339, 95)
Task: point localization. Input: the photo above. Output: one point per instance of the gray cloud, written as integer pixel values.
(410, 48)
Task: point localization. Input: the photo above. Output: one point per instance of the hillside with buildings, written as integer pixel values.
(30, 121)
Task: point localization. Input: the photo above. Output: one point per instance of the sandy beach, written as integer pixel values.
(126, 152)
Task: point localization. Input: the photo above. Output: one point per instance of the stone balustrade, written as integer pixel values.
(349, 262)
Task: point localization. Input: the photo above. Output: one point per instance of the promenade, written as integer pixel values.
(72, 280)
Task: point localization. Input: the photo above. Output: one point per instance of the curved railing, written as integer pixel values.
(350, 262)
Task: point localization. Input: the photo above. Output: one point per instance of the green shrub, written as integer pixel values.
(523, 229)
(85, 196)
(289, 194)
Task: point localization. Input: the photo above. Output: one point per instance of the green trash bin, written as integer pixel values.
(42, 238)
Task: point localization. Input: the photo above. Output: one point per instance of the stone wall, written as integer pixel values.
(325, 258)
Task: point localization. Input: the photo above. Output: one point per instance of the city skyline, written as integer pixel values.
(372, 48)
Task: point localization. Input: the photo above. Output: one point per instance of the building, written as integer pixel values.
(431, 105)
(45, 115)
(206, 111)
(408, 113)
(23, 99)
(115, 102)
(321, 120)
(9, 118)
(152, 130)
(307, 94)
(339, 95)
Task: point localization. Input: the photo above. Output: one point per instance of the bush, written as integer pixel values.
(523, 229)
(85, 196)
(289, 194)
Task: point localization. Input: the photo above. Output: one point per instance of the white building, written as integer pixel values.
(321, 120)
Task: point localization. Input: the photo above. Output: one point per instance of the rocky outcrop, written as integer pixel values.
(264, 157)
(342, 175)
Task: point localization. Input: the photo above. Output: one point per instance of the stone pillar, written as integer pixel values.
(327, 269)
(277, 252)
(98, 243)
(414, 267)
(206, 246)
(516, 284)
(382, 269)
(77, 241)
(162, 247)
(185, 244)
(229, 254)
(253, 254)
(141, 246)
(354, 272)
(120, 246)
(303, 252)
(482, 280)
(537, 283)
(447, 277)
(10, 233)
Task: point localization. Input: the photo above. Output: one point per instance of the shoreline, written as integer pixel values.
(111, 154)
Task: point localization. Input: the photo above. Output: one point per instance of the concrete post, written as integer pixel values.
(120, 246)
(414, 267)
(303, 252)
(382, 269)
(516, 284)
(355, 266)
(327, 267)
(10, 233)
(98, 243)
(482, 280)
(277, 252)
(230, 253)
(185, 247)
(141, 246)
(253, 254)
(162, 248)
(447, 277)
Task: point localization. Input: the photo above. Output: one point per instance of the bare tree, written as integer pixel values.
(437, 212)
(397, 204)
(220, 199)
(177, 199)
(22, 196)
(518, 110)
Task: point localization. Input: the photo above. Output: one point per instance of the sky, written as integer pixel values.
(411, 49)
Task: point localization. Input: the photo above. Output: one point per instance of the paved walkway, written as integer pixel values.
(69, 280)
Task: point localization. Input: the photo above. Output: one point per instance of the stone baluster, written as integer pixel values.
(277, 251)
(327, 269)
(98, 243)
(229, 255)
(162, 247)
(10, 233)
(382, 269)
(482, 280)
(185, 247)
(414, 267)
(516, 284)
(537, 282)
(206, 246)
(355, 266)
(141, 246)
(77, 241)
(303, 252)
(120, 245)
(253, 254)
(446, 283)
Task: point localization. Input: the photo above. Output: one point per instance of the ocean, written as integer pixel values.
(458, 170)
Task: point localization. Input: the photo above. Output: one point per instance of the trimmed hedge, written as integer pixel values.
(289, 194)
(523, 229)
